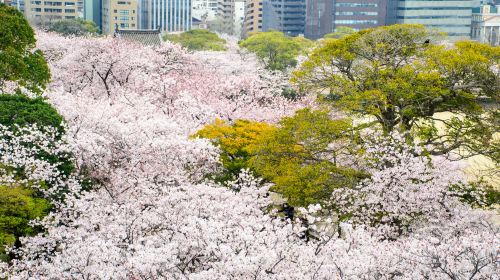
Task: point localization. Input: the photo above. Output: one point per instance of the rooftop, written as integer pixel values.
(142, 36)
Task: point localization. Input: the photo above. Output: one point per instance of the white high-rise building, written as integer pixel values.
(166, 15)
(204, 9)
(231, 14)
(486, 24)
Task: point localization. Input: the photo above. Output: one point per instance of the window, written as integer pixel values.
(69, 10)
(348, 21)
(374, 5)
(356, 13)
(123, 12)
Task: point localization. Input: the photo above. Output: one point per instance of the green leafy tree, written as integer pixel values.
(19, 63)
(275, 49)
(340, 32)
(18, 206)
(304, 157)
(20, 110)
(396, 77)
(76, 27)
(198, 40)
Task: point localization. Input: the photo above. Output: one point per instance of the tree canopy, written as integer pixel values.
(21, 110)
(19, 63)
(340, 32)
(235, 141)
(77, 27)
(18, 206)
(198, 40)
(275, 49)
(396, 77)
(303, 156)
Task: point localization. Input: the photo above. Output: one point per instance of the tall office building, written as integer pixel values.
(253, 16)
(166, 15)
(319, 18)
(453, 17)
(38, 11)
(121, 14)
(92, 11)
(359, 14)
(287, 16)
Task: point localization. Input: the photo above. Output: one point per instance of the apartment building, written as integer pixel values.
(225, 15)
(40, 11)
(121, 14)
(231, 16)
(253, 16)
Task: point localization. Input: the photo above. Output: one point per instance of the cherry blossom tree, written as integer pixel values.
(151, 214)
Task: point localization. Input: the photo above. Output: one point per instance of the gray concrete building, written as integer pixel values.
(319, 18)
(287, 16)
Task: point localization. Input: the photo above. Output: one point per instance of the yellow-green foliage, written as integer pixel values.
(340, 32)
(300, 156)
(396, 76)
(235, 141)
(18, 205)
(198, 40)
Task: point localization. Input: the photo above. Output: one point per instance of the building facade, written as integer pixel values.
(231, 16)
(287, 16)
(319, 18)
(19, 4)
(166, 15)
(205, 9)
(239, 18)
(454, 17)
(121, 14)
(92, 11)
(253, 16)
(486, 25)
(41, 11)
(359, 14)
(225, 16)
